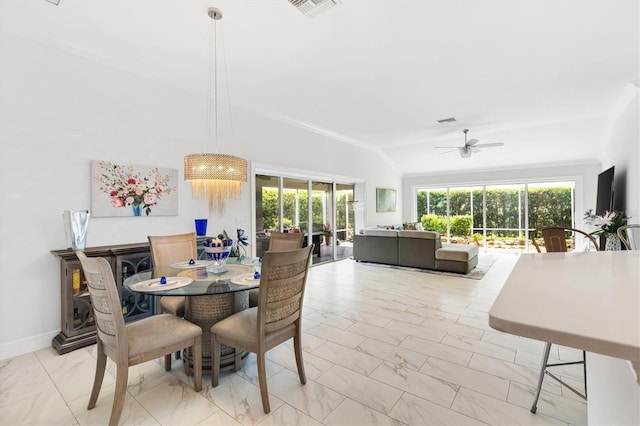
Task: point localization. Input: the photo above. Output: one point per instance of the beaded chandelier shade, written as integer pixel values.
(214, 176)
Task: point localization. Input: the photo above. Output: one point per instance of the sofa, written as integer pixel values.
(417, 249)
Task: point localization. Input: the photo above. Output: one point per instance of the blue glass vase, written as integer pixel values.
(136, 209)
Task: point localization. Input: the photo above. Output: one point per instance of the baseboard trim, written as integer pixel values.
(25, 346)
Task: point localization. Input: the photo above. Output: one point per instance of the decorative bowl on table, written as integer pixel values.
(218, 250)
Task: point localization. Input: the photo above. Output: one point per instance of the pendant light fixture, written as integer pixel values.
(214, 176)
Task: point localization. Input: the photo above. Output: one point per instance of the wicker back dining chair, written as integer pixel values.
(555, 240)
(168, 249)
(279, 241)
(630, 236)
(134, 343)
(283, 241)
(276, 319)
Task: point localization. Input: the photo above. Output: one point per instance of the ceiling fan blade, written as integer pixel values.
(451, 150)
(472, 142)
(486, 145)
(475, 149)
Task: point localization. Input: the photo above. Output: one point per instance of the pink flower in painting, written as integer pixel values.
(117, 202)
(131, 181)
(150, 199)
(130, 201)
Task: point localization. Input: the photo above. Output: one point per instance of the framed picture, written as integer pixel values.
(385, 200)
(122, 190)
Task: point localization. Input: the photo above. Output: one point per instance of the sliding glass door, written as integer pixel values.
(268, 215)
(345, 220)
(323, 211)
(322, 219)
(495, 216)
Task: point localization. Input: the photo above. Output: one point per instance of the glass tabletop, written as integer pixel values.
(204, 281)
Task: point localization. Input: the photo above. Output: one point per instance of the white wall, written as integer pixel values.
(623, 152)
(59, 111)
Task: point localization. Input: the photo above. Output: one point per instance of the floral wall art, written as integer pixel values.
(132, 190)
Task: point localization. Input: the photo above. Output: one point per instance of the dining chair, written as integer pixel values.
(279, 241)
(630, 236)
(168, 249)
(275, 320)
(135, 342)
(555, 240)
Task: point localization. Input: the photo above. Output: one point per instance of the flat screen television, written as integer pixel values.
(604, 200)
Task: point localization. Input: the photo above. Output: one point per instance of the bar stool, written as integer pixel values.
(555, 240)
(630, 236)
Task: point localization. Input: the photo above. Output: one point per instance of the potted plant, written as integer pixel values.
(607, 225)
(326, 230)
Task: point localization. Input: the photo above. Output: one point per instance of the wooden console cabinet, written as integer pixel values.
(76, 315)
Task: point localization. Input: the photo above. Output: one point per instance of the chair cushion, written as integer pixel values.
(173, 305)
(457, 252)
(241, 329)
(241, 326)
(158, 331)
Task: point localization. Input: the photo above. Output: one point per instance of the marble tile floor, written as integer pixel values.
(381, 347)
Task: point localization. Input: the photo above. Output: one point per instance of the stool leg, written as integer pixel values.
(543, 367)
(584, 369)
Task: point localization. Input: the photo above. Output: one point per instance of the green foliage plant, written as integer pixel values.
(461, 225)
(432, 222)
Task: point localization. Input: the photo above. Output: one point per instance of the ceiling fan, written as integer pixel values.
(470, 146)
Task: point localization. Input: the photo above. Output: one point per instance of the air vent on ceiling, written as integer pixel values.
(447, 120)
(312, 8)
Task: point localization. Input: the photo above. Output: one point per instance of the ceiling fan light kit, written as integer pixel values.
(465, 152)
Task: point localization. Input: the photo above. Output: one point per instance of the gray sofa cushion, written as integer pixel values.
(428, 235)
(376, 248)
(457, 252)
(453, 266)
(417, 248)
(381, 232)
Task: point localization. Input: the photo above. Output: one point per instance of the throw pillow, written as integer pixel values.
(419, 226)
(409, 226)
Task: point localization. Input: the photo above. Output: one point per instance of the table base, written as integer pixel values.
(205, 311)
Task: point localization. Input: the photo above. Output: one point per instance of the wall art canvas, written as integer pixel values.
(385, 200)
(122, 190)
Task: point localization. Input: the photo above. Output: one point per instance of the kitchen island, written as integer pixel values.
(588, 301)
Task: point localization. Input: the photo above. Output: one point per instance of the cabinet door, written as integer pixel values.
(135, 306)
(77, 313)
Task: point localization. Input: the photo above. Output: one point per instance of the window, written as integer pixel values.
(496, 216)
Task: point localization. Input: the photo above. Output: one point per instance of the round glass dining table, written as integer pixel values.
(210, 297)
